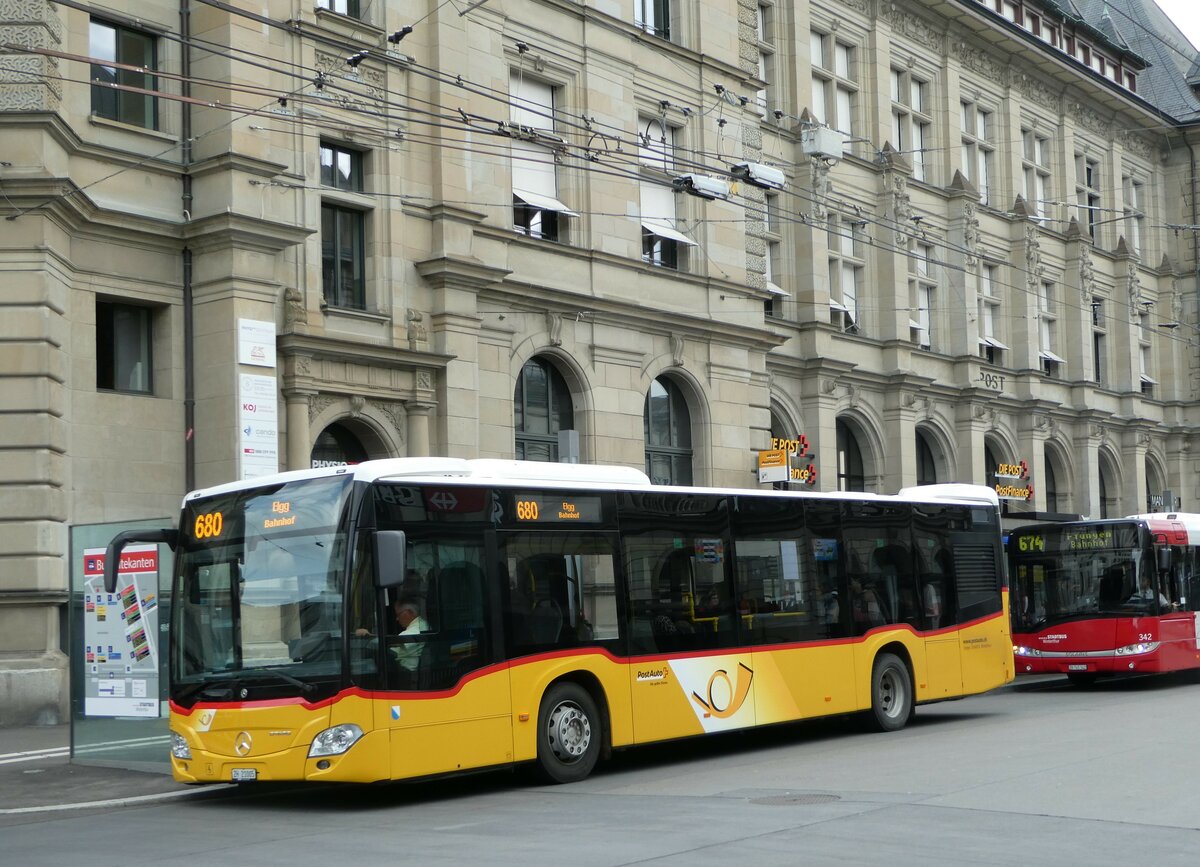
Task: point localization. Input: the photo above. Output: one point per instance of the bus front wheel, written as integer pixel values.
(891, 693)
(569, 734)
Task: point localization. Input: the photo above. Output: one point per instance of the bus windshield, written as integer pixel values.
(258, 590)
(1073, 571)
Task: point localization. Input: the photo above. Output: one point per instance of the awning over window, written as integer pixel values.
(543, 202)
(834, 304)
(662, 230)
(1149, 380)
(992, 341)
(1047, 355)
(775, 290)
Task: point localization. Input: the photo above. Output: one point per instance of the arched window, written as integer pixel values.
(1051, 485)
(337, 446)
(668, 435)
(850, 473)
(926, 466)
(989, 475)
(1108, 502)
(541, 408)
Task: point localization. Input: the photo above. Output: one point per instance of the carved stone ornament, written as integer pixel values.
(357, 404)
(1087, 274)
(853, 396)
(1143, 438)
(1033, 258)
(318, 405)
(1039, 92)
(394, 413)
(303, 365)
(424, 380)
(828, 386)
(901, 203)
(981, 62)
(971, 232)
(1135, 288)
(417, 333)
(677, 350)
(294, 311)
(822, 187)
(554, 328)
(916, 29)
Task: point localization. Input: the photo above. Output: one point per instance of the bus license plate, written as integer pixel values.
(244, 775)
(1072, 667)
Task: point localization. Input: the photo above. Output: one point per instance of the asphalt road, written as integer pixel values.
(1036, 773)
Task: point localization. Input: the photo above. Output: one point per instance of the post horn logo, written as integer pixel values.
(738, 692)
(242, 743)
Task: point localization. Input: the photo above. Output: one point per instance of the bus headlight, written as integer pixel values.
(1140, 647)
(1026, 651)
(335, 741)
(179, 746)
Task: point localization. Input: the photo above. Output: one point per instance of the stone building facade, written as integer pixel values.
(931, 240)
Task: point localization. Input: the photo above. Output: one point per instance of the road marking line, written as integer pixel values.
(111, 802)
(13, 758)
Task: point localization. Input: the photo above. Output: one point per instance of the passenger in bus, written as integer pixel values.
(864, 605)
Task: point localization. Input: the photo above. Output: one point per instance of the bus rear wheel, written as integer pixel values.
(891, 693)
(570, 734)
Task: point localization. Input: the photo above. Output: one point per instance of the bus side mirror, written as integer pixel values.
(1165, 559)
(391, 547)
(112, 555)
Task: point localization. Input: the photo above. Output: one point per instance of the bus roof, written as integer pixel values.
(603, 477)
(1179, 528)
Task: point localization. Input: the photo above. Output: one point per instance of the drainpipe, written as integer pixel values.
(189, 379)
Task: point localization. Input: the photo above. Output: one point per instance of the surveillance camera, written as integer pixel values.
(778, 114)
(767, 177)
(702, 185)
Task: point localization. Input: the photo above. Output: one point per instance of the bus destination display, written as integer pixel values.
(543, 508)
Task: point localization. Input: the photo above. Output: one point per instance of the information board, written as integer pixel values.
(120, 635)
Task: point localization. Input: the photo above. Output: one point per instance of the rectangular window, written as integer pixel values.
(911, 123)
(341, 168)
(653, 16)
(1052, 362)
(537, 211)
(1134, 215)
(135, 48)
(1035, 165)
(1087, 194)
(846, 266)
(990, 346)
(1099, 338)
(124, 341)
(768, 97)
(662, 242)
(343, 257)
(978, 148)
(923, 296)
(349, 8)
(1147, 381)
(834, 82)
(773, 265)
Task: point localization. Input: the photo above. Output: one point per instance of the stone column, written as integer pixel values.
(418, 428)
(299, 438)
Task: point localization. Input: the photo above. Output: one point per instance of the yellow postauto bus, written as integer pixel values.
(421, 616)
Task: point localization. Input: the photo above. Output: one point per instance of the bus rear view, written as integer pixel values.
(1099, 598)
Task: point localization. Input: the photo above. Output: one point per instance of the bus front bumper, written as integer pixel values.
(364, 762)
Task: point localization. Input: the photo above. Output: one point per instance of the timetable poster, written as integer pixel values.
(120, 635)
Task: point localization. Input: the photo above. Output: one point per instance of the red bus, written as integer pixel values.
(1098, 598)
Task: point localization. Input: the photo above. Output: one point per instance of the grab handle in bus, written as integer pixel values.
(112, 555)
(391, 547)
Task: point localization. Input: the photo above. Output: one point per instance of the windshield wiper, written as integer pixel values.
(269, 673)
(219, 684)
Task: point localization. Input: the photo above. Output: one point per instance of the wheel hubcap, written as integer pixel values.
(891, 694)
(570, 732)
